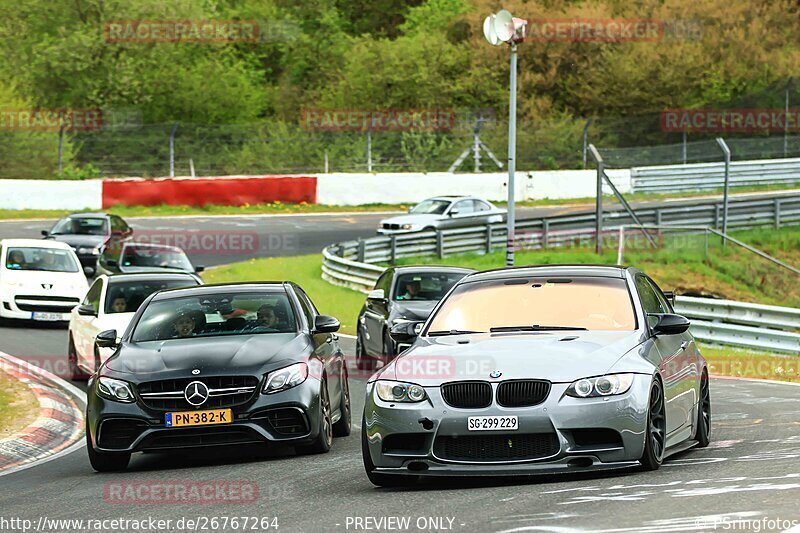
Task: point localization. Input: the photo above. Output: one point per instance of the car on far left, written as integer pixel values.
(39, 280)
(87, 234)
(110, 304)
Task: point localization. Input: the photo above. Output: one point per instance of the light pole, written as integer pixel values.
(499, 28)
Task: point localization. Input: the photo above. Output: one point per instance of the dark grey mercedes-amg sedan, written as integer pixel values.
(538, 370)
(219, 365)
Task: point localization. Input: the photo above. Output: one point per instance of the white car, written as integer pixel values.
(444, 212)
(111, 303)
(39, 280)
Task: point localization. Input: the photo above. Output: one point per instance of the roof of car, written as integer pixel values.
(149, 276)
(596, 271)
(88, 215)
(452, 197)
(133, 244)
(227, 288)
(406, 269)
(36, 243)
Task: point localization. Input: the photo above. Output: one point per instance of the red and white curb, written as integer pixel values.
(59, 428)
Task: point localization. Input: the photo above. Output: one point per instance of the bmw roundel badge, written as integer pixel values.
(495, 374)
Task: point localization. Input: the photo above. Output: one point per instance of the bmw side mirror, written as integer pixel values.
(88, 271)
(453, 212)
(670, 324)
(377, 295)
(45, 233)
(86, 310)
(405, 332)
(107, 339)
(325, 324)
(199, 268)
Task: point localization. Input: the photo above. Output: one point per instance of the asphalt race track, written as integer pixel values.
(751, 471)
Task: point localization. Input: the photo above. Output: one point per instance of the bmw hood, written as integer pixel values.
(560, 357)
(414, 220)
(228, 355)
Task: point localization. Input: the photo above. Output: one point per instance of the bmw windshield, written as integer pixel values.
(430, 207)
(216, 315)
(591, 303)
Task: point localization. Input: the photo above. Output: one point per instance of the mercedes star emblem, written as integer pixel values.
(196, 393)
(495, 374)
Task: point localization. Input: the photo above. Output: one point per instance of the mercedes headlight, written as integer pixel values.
(115, 389)
(608, 385)
(397, 391)
(285, 378)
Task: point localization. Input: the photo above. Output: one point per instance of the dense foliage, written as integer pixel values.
(238, 103)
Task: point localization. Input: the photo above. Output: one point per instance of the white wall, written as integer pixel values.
(407, 187)
(51, 194)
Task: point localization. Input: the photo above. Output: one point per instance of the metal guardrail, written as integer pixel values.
(712, 175)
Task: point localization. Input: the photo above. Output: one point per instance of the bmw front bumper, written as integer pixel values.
(567, 435)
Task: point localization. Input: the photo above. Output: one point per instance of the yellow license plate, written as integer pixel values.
(199, 418)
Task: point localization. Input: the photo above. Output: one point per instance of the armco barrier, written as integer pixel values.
(202, 191)
(671, 178)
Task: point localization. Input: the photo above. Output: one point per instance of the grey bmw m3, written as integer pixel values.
(538, 370)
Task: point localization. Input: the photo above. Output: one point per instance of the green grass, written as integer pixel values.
(18, 405)
(306, 271)
(725, 361)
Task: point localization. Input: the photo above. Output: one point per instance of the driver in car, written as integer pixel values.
(119, 305)
(412, 290)
(184, 326)
(16, 260)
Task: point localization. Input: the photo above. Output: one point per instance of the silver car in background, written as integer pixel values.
(444, 212)
(538, 370)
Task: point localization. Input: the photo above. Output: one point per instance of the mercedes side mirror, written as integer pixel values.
(199, 268)
(111, 263)
(671, 324)
(377, 295)
(88, 271)
(86, 310)
(405, 332)
(325, 324)
(107, 339)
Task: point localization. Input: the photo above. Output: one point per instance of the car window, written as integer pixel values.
(431, 207)
(80, 226)
(664, 303)
(127, 296)
(93, 296)
(215, 315)
(464, 207)
(41, 259)
(307, 306)
(650, 301)
(593, 303)
(425, 286)
(479, 206)
(152, 256)
(384, 282)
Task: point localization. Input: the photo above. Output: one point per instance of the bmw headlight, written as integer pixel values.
(397, 391)
(608, 385)
(406, 226)
(115, 389)
(285, 378)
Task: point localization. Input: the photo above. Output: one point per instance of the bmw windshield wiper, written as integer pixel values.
(451, 332)
(535, 327)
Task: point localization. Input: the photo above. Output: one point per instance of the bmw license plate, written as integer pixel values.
(492, 423)
(47, 317)
(199, 418)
